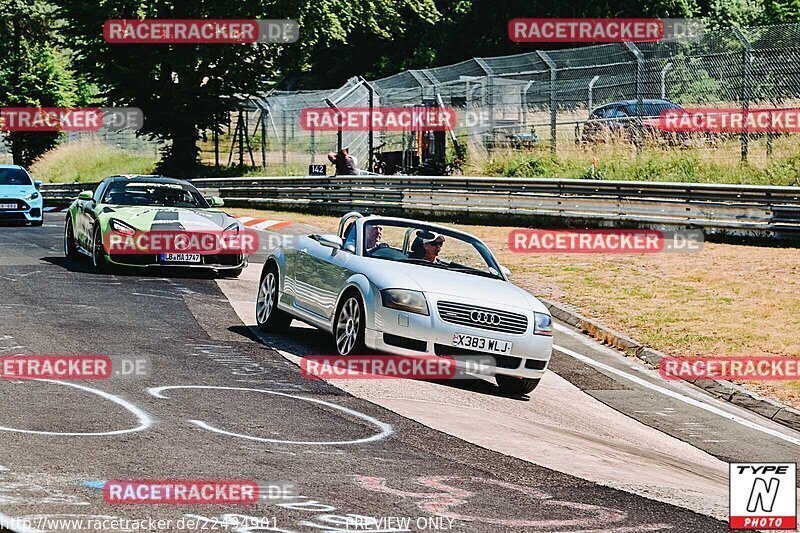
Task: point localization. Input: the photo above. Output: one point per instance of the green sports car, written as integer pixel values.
(144, 208)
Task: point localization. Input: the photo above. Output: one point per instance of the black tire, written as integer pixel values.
(269, 318)
(36, 223)
(351, 311)
(99, 262)
(516, 386)
(70, 250)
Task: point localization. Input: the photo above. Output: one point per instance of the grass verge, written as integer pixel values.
(620, 162)
(726, 300)
(88, 161)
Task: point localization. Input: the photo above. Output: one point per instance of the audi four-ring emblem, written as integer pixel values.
(483, 317)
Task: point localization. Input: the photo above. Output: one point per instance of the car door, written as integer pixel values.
(320, 274)
(86, 214)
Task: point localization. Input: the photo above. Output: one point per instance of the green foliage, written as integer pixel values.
(31, 72)
(185, 88)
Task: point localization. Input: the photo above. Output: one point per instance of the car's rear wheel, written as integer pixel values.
(516, 386)
(350, 326)
(70, 249)
(99, 261)
(268, 317)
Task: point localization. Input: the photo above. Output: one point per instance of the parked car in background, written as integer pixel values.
(620, 120)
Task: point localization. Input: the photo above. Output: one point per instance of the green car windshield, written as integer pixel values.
(153, 194)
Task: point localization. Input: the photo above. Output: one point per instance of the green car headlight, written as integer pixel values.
(117, 226)
(405, 300)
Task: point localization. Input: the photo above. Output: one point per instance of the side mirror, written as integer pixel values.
(331, 241)
(85, 195)
(37, 184)
(215, 201)
(506, 272)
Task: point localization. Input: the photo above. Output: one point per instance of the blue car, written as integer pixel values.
(20, 199)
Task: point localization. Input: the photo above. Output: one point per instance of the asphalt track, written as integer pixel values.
(221, 402)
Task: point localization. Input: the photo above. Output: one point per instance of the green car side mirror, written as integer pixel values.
(215, 201)
(85, 195)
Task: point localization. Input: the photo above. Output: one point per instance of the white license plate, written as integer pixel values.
(180, 258)
(482, 344)
(8, 206)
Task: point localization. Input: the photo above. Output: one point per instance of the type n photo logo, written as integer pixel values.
(763, 496)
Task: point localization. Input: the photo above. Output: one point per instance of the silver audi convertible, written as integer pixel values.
(408, 288)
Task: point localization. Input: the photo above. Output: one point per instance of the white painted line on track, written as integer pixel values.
(143, 418)
(675, 395)
(386, 429)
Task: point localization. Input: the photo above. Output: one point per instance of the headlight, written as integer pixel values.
(232, 228)
(404, 300)
(33, 196)
(120, 227)
(542, 324)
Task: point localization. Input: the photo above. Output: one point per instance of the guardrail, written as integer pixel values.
(746, 210)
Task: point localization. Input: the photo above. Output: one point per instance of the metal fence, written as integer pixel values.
(726, 210)
(541, 100)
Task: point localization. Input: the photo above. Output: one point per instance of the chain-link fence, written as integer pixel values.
(578, 101)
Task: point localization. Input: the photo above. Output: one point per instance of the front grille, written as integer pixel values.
(10, 216)
(501, 361)
(482, 318)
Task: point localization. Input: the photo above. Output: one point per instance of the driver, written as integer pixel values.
(432, 244)
(372, 238)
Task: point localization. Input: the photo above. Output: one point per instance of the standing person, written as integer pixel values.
(344, 162)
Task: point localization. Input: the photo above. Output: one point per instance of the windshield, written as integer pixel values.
(14, 176)
(153, 193)
(428, 246)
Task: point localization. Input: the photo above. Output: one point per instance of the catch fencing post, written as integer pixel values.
(637, 55)
(591, 92)
(747, 64)
(664, 72)
(371, 134)
(553, 101)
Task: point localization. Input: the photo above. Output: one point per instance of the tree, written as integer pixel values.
(32, 73)
(183, 88)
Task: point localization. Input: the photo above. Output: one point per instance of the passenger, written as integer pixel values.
(427, 246)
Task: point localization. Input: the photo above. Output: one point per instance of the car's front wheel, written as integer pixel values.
(516, 386)
(268, 317)
(99, 261)
(350, 326)
(70, 249)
